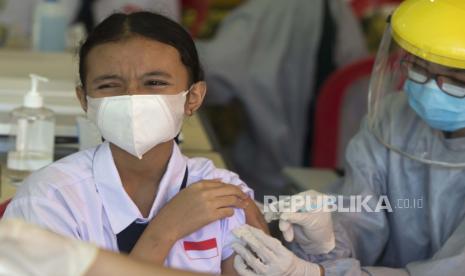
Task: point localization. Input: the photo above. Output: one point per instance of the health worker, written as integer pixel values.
(407, 162)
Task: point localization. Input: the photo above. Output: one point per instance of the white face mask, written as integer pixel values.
(137, 123)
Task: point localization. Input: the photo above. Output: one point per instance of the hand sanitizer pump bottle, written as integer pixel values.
(32, 135)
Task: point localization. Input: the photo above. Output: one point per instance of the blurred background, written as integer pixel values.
(287, 80)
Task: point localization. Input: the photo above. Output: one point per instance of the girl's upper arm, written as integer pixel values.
(254, 217)
(227, 266)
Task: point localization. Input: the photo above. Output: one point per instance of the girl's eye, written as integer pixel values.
(156, 83)
(106, 86)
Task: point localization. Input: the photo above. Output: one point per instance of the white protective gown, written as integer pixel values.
(428, 237)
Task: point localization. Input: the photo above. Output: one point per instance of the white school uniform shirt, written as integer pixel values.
(82, 196)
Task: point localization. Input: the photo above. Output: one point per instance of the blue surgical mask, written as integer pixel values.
(436, 108)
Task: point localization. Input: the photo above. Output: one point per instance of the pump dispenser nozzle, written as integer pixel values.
(32, 98)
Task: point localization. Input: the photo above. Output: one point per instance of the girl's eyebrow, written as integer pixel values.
(158, 73)
(106, 77)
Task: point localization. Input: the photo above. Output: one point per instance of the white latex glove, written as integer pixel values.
(273, 259)
(312, 226)
(30, 250)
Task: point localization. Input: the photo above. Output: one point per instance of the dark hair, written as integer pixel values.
(150, 25)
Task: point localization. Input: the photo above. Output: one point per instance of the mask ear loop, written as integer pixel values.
(178, 139)
(185, 94)
(188, 90)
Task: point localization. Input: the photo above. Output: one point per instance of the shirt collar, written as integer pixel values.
(119, 207)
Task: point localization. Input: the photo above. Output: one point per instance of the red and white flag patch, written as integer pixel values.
(206, 249)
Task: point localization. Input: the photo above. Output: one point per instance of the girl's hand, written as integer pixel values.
(192, 208)
(198, 205)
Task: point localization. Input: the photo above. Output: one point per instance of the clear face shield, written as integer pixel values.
(417, 107)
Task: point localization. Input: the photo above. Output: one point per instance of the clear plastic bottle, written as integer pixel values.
(32, 136)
